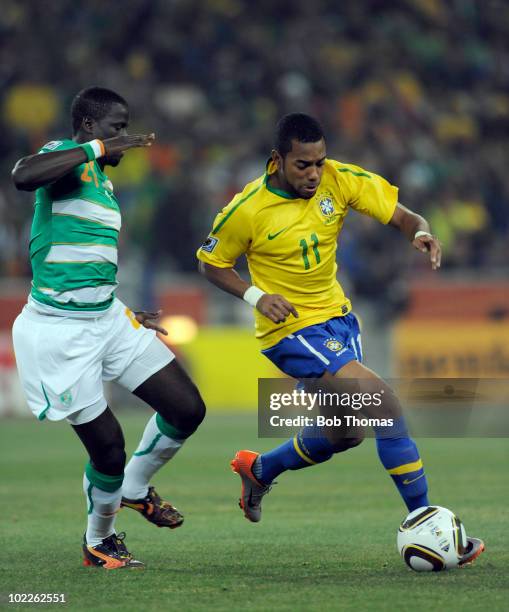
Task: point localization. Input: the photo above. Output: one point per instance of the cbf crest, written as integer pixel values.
(326, 206)
(333, 345)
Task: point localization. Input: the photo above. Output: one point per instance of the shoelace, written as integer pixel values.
(256, 497)
(118, 539)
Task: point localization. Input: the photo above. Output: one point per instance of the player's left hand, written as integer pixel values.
(147, 318)
(427, 243)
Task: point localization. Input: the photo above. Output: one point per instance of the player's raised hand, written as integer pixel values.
(117, 144)
(427, 243)
(275, 307)
(147, 320)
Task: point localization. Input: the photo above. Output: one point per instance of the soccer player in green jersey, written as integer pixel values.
(74, 333)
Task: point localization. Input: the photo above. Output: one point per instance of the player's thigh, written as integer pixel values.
(59, 365)
(140, 362)
(133, 353)
(373, 397)
(104, 441)
(172, 393)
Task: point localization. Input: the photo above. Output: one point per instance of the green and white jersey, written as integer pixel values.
(74, 237)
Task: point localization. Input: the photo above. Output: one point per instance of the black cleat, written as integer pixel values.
(110, 554)
(155, 510)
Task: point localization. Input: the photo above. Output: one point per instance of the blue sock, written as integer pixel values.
(400, 457)
(305, 449)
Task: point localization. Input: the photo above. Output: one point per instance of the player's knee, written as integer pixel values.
(186, 415)
(111, 461)
(194, 412)
(344, 444)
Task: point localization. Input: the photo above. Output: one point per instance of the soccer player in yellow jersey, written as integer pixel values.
(287, 223)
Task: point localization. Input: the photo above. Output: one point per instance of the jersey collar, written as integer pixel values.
(270, 168)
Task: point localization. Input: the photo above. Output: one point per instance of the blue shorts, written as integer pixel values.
(320, 348)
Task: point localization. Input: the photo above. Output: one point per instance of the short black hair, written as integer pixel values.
(93, 102)
(298, 126)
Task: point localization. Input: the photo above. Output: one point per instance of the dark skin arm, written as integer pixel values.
(273, 306)
(38, 170)
(408, 224)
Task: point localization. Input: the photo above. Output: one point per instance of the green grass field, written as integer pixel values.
(327, 540)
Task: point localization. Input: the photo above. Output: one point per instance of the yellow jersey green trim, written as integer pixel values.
(239, 203)
(353, 172)
(279, 192)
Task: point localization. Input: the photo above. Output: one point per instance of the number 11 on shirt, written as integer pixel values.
(304, 245)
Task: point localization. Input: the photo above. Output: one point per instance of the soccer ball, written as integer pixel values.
(432, 539)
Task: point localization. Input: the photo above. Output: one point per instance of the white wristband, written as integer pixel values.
(252, 295)
(97, 147)
(421, 233)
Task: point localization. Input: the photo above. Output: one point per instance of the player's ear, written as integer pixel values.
(277, 159)
(87, 125)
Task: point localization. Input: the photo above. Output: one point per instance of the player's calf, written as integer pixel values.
(179, 411)
(344, 444)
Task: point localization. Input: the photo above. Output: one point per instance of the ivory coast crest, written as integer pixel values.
(66, 398)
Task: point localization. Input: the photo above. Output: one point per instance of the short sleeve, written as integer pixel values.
(367, 193)
(58, 145)
(230, 237)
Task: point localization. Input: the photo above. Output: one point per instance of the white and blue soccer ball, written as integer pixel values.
(432, 539)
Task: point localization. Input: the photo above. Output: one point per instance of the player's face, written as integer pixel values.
(302, 167)
(115, 123)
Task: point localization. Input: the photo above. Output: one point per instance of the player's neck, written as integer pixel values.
(277, 182)
(81, 137)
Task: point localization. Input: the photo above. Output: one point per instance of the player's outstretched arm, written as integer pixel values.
(38, 170)
(273, 306)
(418, 232)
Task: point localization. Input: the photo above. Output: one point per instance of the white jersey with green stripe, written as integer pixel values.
(74, 237)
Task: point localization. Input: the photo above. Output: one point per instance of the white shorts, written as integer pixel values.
(63, 361)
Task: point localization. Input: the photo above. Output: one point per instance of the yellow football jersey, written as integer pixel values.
(290, 243)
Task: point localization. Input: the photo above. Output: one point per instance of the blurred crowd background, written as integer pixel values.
(415, 90)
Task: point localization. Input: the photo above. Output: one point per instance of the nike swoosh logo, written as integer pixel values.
(272, 236)
(407, 482)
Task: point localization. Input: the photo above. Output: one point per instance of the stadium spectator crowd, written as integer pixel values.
(415, 90)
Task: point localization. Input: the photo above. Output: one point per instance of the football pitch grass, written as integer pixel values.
(327, 540)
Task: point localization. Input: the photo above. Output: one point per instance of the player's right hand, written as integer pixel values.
(117, 144)
(275, 307)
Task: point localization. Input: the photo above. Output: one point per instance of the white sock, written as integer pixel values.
(102, 512)
(154, 450)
